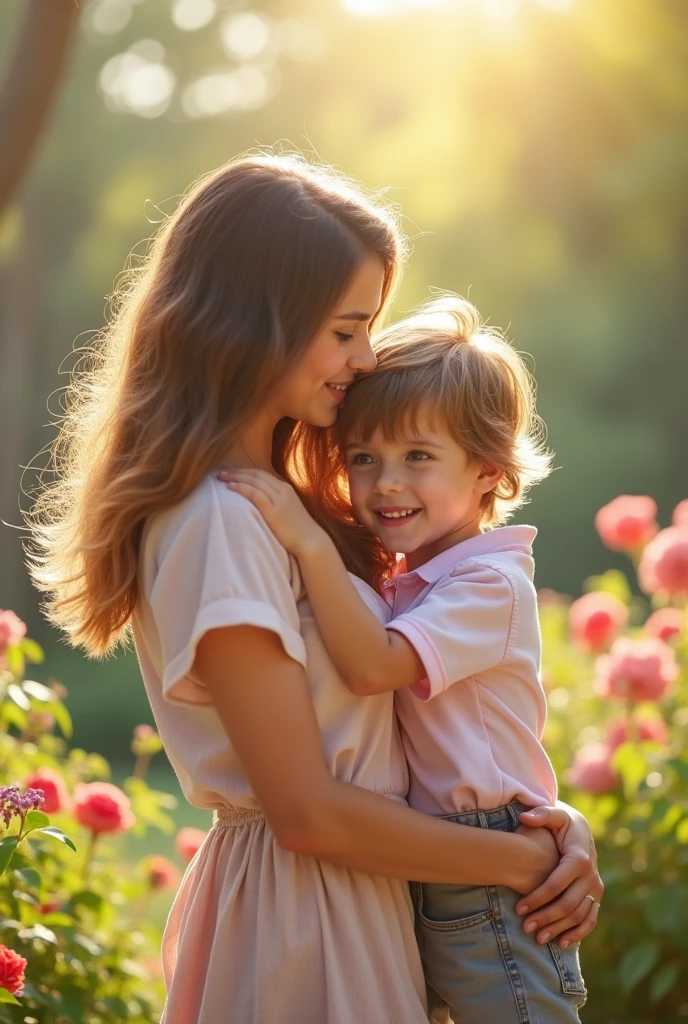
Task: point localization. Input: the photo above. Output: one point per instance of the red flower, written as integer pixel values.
(649, 729)
(161, 873)
(12, 970)
(54, 789)
(664, 565)
(665, 623)
(680, 516)
(102, 807)
(595, 619)
(627, 523)
(638, 670)
(49, 908)
(592, 770)
(188, 842)
(12, 629)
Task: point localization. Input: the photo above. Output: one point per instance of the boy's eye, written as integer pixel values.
(418, 456)
(362, 459)
(343, 336)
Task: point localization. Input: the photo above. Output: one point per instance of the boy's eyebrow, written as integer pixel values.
(422, 441)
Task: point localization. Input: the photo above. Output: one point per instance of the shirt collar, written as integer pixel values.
(503, 538)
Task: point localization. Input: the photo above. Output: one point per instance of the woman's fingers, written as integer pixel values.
(583, 929)
(571, 868)
(553, 818)
(548, 926)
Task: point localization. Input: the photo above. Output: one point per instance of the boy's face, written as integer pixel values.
(420, 494)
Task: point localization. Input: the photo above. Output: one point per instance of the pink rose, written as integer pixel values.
(161, 873)
(12, 970)
(647, 729)
(102, 807)
(664, 623)
(188, 842)
(592, 771)
(664, 564)
(627, 523)
(12, 629)
(54, 789)
(636, 670)
(680, 516)
(595, 619)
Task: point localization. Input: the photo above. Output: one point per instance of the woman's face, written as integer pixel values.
(314, 391)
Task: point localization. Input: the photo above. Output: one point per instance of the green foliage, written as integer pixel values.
(634, 962)
(73, 908)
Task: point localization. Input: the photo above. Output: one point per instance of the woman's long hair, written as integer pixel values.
(444, 362)
(235, 287)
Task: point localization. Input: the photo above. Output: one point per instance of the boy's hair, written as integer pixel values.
(443, 362)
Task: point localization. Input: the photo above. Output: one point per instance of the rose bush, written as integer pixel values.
(76, 946)
(617, 734)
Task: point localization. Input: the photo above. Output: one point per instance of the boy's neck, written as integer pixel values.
(423, 554)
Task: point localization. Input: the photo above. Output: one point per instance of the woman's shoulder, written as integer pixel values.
(211, 513)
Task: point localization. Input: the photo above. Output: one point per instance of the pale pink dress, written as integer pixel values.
(258, 935)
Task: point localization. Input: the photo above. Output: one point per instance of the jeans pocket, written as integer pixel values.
(569, 971)
(454, 907)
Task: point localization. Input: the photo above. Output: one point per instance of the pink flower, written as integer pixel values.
(592, 770)
(680, 516)
(53, 787)
(595, 619)
(188, 842)
(143, 731)
(102, 807)
(12, 970)
(636, 670)
(648, 729)
(664, 564)
(664, 623)
(12, 629)
(627, 523)
(161, 873)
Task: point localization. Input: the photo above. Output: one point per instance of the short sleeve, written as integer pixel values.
(216, 564)
(461, 628)
(375, 603)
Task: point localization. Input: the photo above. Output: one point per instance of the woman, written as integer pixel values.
(252, 314)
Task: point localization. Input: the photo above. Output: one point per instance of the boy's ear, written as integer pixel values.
(488, 477)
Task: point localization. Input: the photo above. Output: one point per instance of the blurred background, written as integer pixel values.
(538, 149)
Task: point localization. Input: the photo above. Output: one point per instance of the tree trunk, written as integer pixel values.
(31, 81)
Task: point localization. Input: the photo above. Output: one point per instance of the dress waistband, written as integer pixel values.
(233, 817)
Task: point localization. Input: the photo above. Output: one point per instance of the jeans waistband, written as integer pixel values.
(501, 819)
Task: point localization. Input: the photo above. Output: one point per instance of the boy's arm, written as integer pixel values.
(369, 658)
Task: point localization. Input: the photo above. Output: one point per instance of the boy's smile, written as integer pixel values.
(419, 493)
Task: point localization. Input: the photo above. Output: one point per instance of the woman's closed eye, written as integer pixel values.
(343, 336)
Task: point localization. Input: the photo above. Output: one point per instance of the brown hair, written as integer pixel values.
(442, 359)
(234, 288)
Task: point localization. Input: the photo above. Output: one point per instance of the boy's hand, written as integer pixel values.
(280, 506)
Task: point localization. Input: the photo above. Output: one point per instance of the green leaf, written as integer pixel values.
(57, 833)
(663, 981)
(637, 964)
(16, 694)
(118, 1007)
(630, 763)
(36, 819)
(14, 715)
(15, 660)
(58, 919)
(30, 877)
(32, 651)
(611, 582)
(682, 831)
(7, 847)
(63, 719)
(38, 691)
(665, 909)
(7, 997)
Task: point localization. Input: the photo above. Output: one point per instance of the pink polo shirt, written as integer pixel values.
(472, 729)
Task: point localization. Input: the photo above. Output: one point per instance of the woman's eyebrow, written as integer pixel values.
(354, 316)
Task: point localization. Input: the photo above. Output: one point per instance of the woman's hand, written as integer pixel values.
(280, 506)
(576, 881)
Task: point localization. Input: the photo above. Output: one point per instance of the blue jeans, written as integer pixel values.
(477, 958)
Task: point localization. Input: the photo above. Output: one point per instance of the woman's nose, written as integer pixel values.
(363, 358)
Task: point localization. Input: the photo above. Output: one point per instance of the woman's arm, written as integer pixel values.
(263, 701)
(380, 660)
